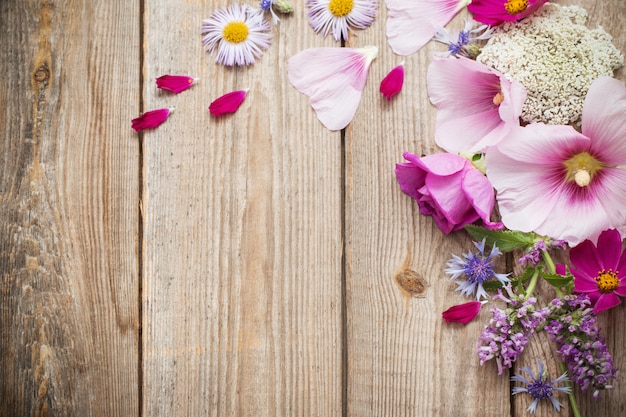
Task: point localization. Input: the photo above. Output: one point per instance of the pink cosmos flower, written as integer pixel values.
(462, 313)
(228, 103)
(476, 106)
(174, 83)
(411, 24)
(150, 119)
(447, 187)
(600, 271)
(563, 184)
(392, 83)
(496, 12)
(333, 78)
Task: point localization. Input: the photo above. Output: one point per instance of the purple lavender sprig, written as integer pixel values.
(574, 328)
(508, 331)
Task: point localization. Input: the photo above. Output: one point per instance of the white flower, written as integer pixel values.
(337, 16)
(239, 35)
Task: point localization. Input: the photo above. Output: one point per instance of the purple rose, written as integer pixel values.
(447, 187)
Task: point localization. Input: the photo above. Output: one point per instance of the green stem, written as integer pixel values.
(572, 399)
(533, 283)
(549, 262)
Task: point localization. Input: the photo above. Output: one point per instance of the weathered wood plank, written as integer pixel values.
(242, 227)
(68, 208)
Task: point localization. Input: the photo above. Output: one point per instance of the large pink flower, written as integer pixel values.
(412, 23)
(447, 187)
(333, 78)
(476, 106)
(496, 12)
(561, 183)
(600, 271)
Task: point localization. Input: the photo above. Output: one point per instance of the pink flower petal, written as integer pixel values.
(605, 301)
(494, 13)
(392, 83)
(411, 24)
(462, 313)
(174, 83)
(333, 78)
(228, 103)
(150, 119)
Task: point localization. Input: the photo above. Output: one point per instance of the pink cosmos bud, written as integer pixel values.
(392, 83)
(228, 103)
(462, 313)
(174, 83)
(150, 119)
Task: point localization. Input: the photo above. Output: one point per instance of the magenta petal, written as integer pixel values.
(392, 83)
(174, 83)
(585, 259)
(150, 119)
(228, 103)
(462, 313)
(610, 249)
(605, 302)
(584, 284)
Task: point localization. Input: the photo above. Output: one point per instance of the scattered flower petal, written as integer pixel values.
(337, 16)
(174, 83)
(150, 119)
(496, 12)
(411, 24)
(476, 106)
(239, 34)
(228, 103)
(462, 313)
(333, 78)
(392, 83)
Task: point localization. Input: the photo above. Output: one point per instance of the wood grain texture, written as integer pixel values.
(242, 274)
(68, 204)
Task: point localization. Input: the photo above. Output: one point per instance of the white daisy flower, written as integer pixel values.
(337, 15)
(239, 36)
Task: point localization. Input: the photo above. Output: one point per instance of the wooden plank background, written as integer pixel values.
(243, 266)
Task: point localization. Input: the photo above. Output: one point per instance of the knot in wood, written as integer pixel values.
(42, 74)
(411, 282)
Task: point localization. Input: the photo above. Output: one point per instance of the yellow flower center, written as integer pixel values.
(340, 8)
(498, 98)
(514, 7)
(235, 32)
(581, 168)
(607, 281)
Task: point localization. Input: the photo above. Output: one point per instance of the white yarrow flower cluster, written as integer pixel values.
(555, 57)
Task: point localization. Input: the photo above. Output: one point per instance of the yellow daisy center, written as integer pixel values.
(581, 168)
(514, 7)
(235, 32)
(340, 8)
(607, 281)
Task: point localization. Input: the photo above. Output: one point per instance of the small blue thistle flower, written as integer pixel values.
(465, 42)
(266, 4)
(539, 387)
(477, 267)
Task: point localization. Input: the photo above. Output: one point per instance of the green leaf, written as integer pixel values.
(558, 281)
(505, 240)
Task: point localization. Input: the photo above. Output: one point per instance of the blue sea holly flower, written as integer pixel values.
(477, 267)
(539, 388)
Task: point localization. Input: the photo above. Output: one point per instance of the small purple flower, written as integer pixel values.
(539, 388)
(575, 330)
(508, 331)
(477, 267)
(465, 42)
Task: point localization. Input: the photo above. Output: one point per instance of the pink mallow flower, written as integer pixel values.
(392, 83)
(174, 83)
(560, 183)
(150, 119)
(333, 78)
(447, 187)
(476, 106)
(228, 103)
(600, 271)
(462, 313)
(412, 23)
(496, 12)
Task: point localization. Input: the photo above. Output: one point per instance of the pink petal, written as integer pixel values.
(333, 78)
(462, 313)
(174, 83)
(586, 260)
(150, 119)
(493, 12)
(604, 111)
(228, 103)
(610, 249)
(411, 24)
(479, 192)
(392, 83)
(606, 301)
